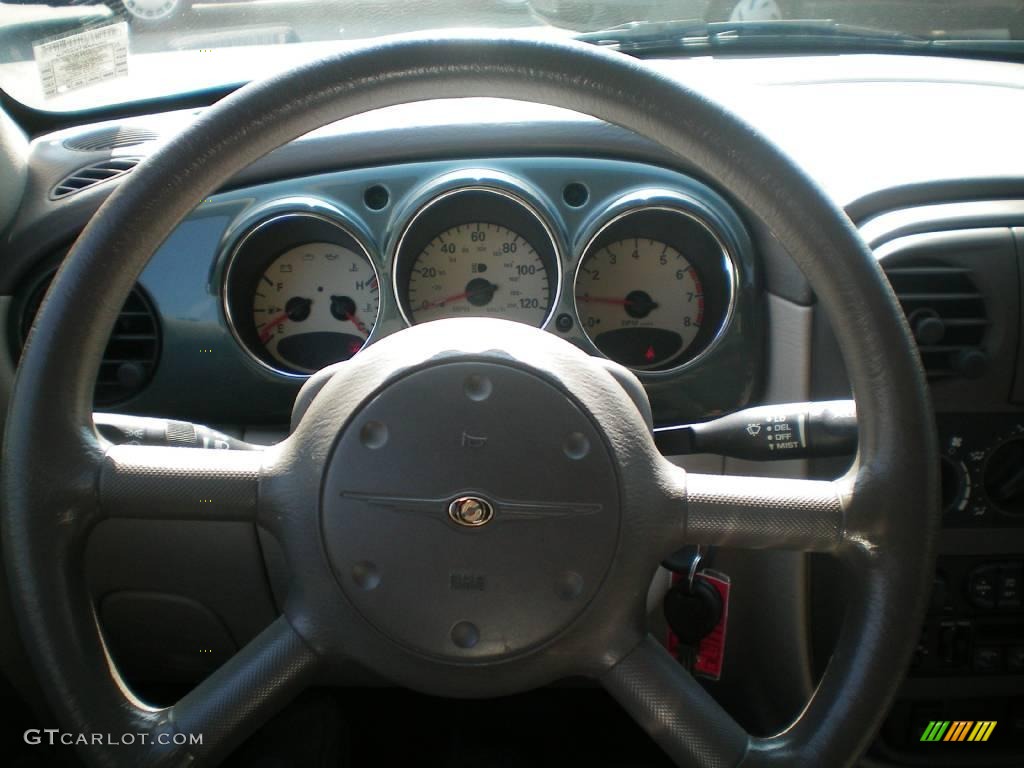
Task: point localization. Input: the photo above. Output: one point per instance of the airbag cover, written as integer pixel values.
(474, 524)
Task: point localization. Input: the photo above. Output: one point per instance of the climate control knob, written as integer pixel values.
(956, 485)
(1004, 476)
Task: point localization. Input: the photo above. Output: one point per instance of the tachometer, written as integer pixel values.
(479, 270)
(477, 252)
(640, 301)
(654, 288)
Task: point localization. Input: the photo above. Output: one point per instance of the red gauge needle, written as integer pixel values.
(446, 300)
(267, 329)
(490, 287)
(359, 324)
(344, 308)
(604, 300)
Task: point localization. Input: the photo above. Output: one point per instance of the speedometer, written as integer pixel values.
(479, 270)
(477, 252)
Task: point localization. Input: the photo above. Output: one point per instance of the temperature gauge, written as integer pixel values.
(301, 292)
(315, 305)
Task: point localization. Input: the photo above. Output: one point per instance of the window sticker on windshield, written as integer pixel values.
(70, 62)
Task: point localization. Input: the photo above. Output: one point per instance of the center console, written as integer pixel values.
(958, 272)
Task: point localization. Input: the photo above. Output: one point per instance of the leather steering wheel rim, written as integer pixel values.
(58, 472)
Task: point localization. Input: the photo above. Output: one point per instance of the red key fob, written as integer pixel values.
(711, 648)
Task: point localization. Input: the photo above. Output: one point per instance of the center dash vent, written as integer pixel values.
(946, 312)
(93, 174)
(117, 137)
(131, 356)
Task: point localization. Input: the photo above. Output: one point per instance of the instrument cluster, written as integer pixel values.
(647, 278)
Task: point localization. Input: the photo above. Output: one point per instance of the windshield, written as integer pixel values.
(78, 54)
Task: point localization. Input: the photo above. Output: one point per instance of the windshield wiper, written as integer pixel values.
(796, 35)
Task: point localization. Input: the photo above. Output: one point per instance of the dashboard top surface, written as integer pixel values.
(858, 124)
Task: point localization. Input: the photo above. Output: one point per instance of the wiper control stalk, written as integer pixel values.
(769, 433)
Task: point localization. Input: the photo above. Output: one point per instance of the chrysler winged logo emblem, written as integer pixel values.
(473, 510)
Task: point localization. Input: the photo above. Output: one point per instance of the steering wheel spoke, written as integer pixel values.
(668, 703)
(159, 483)
(245, 692)
(758, 512)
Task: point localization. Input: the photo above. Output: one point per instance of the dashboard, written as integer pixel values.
(263, 285)
(488, 208)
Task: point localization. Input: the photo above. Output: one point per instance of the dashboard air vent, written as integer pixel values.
(117, 137)
(132, 353)
(946, 312)
(86, 177)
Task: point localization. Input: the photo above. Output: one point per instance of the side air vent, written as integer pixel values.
(93, 174)
(118, 137)
(946, 312)
(133, 350)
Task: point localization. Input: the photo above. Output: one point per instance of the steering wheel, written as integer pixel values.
(468, 507)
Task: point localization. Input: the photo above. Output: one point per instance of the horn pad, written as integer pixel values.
(476, 524)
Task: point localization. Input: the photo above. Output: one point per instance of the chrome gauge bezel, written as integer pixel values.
(443, 192)
(668, 203)
(256, 263)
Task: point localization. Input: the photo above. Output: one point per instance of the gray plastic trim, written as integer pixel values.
(941, 217)
(13, 168)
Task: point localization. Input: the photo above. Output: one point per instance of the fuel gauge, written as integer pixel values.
(301, 292)
(315, 305)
